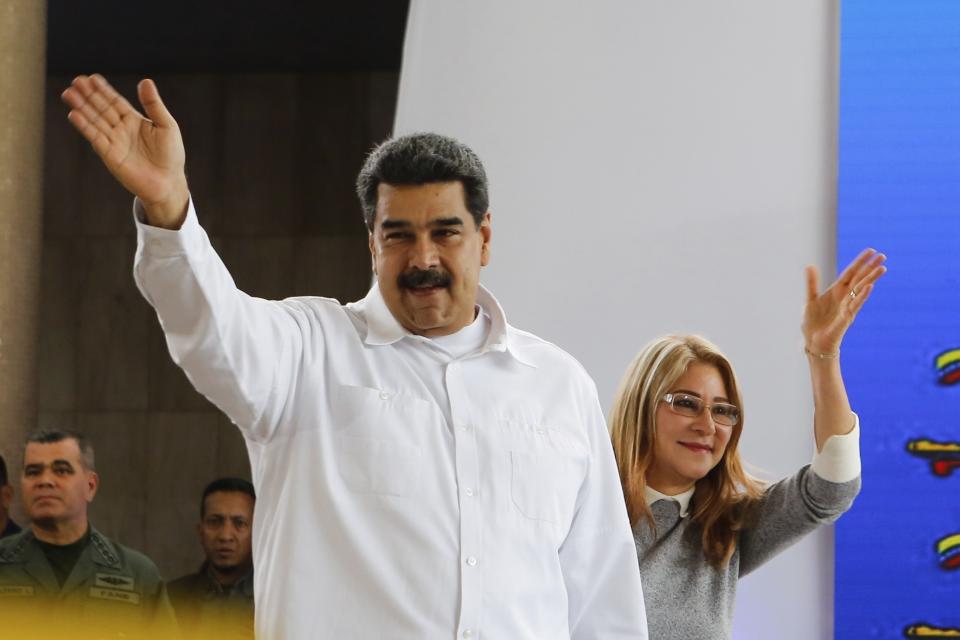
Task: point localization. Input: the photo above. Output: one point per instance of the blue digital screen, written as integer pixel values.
(898, 549)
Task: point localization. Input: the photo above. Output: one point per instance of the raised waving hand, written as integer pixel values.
(826, 318)
(828, 315)
(144, 153)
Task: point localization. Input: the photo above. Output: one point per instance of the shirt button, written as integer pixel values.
(465, 427)
(384, 395)
(467, 633)
(471, 561)
(469, 492)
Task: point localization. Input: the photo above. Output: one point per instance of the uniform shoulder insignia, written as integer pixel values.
(104, 548)
(13, 550)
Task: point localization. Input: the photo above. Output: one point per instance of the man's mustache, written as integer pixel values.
(418, 278)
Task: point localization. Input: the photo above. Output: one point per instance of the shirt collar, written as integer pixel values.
(383, 328)
(244, 585)
(468, 339)
(683, 499)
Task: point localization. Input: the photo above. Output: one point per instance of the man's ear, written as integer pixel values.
(93, 483)
(373, 253)
(486, 231)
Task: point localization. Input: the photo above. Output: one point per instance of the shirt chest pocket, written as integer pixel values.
(377, 438)
(544, 484)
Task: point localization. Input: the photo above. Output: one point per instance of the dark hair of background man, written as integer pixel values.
(50, 436)
(226, 485)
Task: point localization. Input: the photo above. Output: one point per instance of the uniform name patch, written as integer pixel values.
(114, 594)
(113, 581)
(13, 590)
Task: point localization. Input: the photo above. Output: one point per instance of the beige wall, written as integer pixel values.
(271, 161)
(22, 60)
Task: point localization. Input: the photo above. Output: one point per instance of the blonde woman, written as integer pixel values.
(699, 520)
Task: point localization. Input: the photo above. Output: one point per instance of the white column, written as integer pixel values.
(656, 167)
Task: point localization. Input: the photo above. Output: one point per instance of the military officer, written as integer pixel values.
(62, 575)
(217, 601)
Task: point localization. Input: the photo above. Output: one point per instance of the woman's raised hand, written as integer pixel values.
(828, 315)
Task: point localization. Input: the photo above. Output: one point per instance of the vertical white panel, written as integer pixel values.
(656, 166)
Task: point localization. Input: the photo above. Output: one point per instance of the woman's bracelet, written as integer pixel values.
(822, 356)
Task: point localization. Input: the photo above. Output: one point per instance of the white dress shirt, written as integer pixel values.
(406, 488)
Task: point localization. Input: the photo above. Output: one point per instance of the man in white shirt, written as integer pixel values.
(424, 470)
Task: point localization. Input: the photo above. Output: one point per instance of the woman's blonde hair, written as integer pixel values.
(722, 498)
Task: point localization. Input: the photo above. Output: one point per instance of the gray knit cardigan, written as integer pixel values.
(688, 599)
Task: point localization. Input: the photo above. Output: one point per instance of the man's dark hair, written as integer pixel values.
(4, 479)
(422, 158)
(49, 436)
(225, 484)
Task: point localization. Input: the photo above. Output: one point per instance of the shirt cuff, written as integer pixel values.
(839, 461)
(165, 243)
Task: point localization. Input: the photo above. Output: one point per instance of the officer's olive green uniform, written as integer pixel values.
(112, 592)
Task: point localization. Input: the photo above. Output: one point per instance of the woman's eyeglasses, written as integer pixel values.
(685, 404)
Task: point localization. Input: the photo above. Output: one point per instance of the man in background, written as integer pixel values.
(217, 600)
(61, 575)
(7, 526)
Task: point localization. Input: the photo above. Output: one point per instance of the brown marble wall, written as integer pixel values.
(271, 161)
